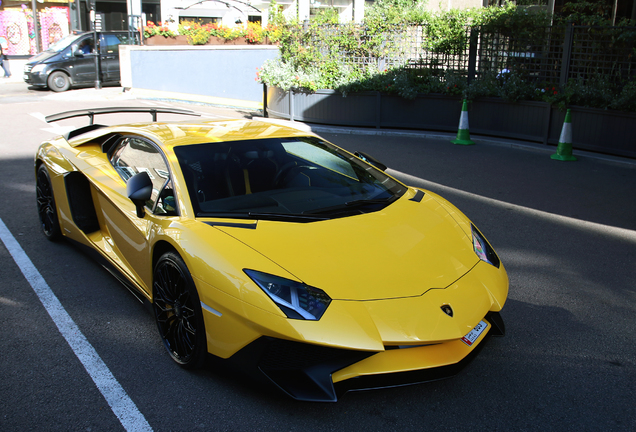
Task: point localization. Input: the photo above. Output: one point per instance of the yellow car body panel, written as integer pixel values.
(356, 269)
(410, 359)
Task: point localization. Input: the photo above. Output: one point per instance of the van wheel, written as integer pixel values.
(59, 81)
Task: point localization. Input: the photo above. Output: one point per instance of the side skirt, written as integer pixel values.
(115, 272)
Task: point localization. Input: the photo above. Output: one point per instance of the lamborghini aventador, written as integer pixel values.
(257, 242)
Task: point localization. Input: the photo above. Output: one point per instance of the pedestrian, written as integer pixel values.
(4, 62)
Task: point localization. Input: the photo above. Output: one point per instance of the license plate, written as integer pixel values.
(474, 334)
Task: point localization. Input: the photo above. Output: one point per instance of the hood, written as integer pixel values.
(43, 57)
(403, 250)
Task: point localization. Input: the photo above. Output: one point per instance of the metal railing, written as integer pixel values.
(552, 54)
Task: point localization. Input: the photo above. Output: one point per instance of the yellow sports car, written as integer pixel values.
(266, 245)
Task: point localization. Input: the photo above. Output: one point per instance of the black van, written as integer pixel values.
(70, 62)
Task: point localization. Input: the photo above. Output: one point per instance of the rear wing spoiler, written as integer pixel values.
(91, 113)
(114, 110)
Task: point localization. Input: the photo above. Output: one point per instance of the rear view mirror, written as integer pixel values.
(371, 160)
(139, 190)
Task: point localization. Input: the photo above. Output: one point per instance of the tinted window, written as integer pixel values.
(111, 42)
(282, 177)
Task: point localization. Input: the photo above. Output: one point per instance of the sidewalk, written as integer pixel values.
(16, 67)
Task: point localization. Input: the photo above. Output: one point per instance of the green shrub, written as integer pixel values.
(321, 55)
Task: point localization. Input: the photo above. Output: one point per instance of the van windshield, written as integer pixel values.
(63, 43)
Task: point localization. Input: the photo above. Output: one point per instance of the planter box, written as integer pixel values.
(519, 120)
(215, 40)
(165, 40)
(431, 112)
(605, 131)
(324, 106)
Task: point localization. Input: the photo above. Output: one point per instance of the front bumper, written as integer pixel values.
(321, 374)
(35, 79)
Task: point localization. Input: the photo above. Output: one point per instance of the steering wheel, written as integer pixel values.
(282, 173)
(294, 173)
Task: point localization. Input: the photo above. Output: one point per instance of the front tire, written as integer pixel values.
(47, 211)
(59, 81)
(178, 312)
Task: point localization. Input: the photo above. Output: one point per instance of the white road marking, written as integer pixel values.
(38, 116)
(55, 129)
(122, 406)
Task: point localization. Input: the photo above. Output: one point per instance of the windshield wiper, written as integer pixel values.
(364, 202)
(354, 205)
(286, 217)
(283, 217)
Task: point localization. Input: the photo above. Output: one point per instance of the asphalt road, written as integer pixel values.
(566, 233)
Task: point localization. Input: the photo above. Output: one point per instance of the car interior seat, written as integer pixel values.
(250, 171)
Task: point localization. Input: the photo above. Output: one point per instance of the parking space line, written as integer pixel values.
(122, 406)
(54, 128)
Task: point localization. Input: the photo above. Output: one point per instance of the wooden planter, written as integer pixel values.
(166, 40)
(214, 40)
(605, 131)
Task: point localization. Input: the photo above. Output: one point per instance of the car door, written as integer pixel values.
(129, 233)
(109, 52)
(82, 61)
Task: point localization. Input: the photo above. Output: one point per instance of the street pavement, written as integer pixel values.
(566, 232)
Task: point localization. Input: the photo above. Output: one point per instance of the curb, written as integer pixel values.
(478, 140)
(192, 98)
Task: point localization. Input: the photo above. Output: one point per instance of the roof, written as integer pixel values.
(172, 134)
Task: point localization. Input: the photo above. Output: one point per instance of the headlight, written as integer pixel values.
(483, 250)
(295, 299)
(38, 68)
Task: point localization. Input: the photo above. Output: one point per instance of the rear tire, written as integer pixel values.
(47, 211)
(59, 81)
(178, 312)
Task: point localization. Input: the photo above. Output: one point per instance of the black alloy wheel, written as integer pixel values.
(178, 312)
(47, 211)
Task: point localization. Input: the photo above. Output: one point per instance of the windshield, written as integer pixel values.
(63, 43)
(295, 179)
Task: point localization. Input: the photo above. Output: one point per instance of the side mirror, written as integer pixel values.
(139, 190)
(371, 160)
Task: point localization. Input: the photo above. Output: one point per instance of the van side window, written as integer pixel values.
(111, 43)
(86, 46)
